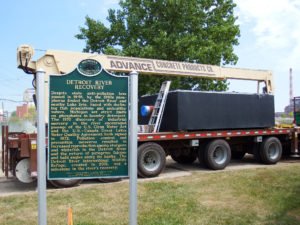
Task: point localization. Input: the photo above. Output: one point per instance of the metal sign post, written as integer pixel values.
(41, 149)
(133, 147)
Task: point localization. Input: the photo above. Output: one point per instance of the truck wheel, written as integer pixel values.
(151, 159)
(271, 150)
(65, 183)
(22, 171)
(217, 154)
(183, 158)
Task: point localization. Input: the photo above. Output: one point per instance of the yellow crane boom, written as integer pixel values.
(61, 62)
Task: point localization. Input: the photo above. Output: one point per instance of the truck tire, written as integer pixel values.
(271, 150)
(151, 159)
(65, 183)
(217, 154)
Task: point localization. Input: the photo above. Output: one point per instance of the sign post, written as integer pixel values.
(133, 147)
(41, 149)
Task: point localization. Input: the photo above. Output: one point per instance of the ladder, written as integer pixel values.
(159, 106)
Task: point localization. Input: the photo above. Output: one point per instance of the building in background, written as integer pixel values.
(22, 111)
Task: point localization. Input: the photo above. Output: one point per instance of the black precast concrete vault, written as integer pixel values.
(194, 110)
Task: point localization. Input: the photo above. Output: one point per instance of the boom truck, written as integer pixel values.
(213, 147)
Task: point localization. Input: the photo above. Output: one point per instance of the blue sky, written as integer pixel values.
(270, 39)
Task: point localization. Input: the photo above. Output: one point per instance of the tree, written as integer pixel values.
(29, 116)
(201, 31)
(14, 118)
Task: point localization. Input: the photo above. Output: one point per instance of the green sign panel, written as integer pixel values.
(88, 124)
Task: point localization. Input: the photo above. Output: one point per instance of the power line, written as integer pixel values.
(10, 100)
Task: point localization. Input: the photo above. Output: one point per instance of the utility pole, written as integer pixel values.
(291, 87)
(2, 116)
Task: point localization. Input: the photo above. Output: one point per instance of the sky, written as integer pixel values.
(270, 39)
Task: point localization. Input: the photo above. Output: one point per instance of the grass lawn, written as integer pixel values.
(251, 196)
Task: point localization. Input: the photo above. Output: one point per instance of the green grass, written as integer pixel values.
(255, 196)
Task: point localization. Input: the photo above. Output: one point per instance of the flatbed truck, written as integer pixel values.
(212, 148)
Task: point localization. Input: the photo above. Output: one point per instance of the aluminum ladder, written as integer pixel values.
(159, 106)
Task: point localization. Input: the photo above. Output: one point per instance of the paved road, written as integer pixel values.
(12, 186)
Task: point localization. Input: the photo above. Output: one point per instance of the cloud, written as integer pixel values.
(272, 29)
(274, 23)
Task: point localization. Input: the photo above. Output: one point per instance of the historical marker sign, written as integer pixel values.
(88, 123)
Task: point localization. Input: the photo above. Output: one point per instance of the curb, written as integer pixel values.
(6, 180)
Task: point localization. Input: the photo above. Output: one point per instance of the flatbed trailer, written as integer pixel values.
(213, 149)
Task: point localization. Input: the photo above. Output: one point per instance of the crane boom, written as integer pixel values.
(61, 62)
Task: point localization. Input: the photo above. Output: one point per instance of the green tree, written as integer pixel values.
(14, 118)
(201, 31)
(31, 115)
